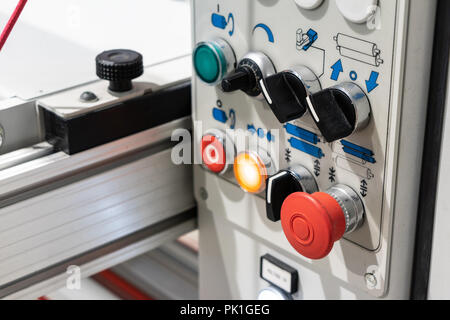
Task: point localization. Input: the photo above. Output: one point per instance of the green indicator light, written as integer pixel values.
(208, 63)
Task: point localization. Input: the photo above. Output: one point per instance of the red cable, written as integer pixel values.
(120, 286)
(12, 21)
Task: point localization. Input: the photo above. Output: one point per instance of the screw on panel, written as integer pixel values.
(371, 281)
(88, 96)
(203, 194)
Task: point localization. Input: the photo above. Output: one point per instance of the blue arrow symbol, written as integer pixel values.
(337, 69)
(372, 82)
(267, 30)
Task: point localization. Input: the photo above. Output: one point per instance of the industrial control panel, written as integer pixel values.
(308, 129)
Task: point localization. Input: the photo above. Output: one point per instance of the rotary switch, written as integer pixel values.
(340, 111)
(287, 92)
(283, 184)
(119, 67)
(249, 75)
(217, 151)
(313, 223)
(213, 60)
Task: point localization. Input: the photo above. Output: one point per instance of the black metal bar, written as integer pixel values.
(432, 153)
(119, 120)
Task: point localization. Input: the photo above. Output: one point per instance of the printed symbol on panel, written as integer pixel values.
(364, 188)
(221, 22)
(232, 116)
(266, 28)
(337, 70)
(358, 49)
(251, 128)
(219, 115)
(353, 75)
(306, 39)
(317, 168)
(332, 175)
(372, 83)
(288, 155)
(261, 133)
(357, 151)
(353, 167)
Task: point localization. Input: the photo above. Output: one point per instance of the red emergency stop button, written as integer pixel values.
(313, 223)
(213, 153)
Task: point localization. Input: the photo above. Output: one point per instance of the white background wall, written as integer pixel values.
(55, 42)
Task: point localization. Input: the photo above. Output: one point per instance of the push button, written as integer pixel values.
(251, 170)
(273, 293)
(213, 60)
(308, 4)
(313, 223)
(217, 152)
(357, 11)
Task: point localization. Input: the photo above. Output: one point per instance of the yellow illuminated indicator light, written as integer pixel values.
(250, 172)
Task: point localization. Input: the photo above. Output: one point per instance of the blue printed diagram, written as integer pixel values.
(358, 49)
(221, 116)
(337, 70)
(268, 31)
(371, 84)
(306, 148)
(221, 22)
(301, 133)
(260, 132)
(306, 39)
(357, 151)
(308, 141)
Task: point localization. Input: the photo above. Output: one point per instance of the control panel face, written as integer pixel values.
(311, 85)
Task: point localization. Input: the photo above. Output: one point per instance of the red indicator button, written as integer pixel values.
(312, 223)
(213, 153)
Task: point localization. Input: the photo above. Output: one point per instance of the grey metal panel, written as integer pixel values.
(233, 225)
(169, 272)
(102, 258)
(21, 124)
(24, 155)
(17, 181)
(39, 232)
(53, 47)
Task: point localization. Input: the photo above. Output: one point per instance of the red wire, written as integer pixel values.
(12, 21)
(120, 286)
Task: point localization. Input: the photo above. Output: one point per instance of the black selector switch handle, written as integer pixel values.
(282, 185)
(286, 92)
(119, 67)
(340, 111)
(241, 79)
(287, 96)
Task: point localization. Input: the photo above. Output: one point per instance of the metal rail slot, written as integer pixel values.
(25, 155)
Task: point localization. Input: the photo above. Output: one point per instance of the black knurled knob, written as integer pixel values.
(119, 66)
